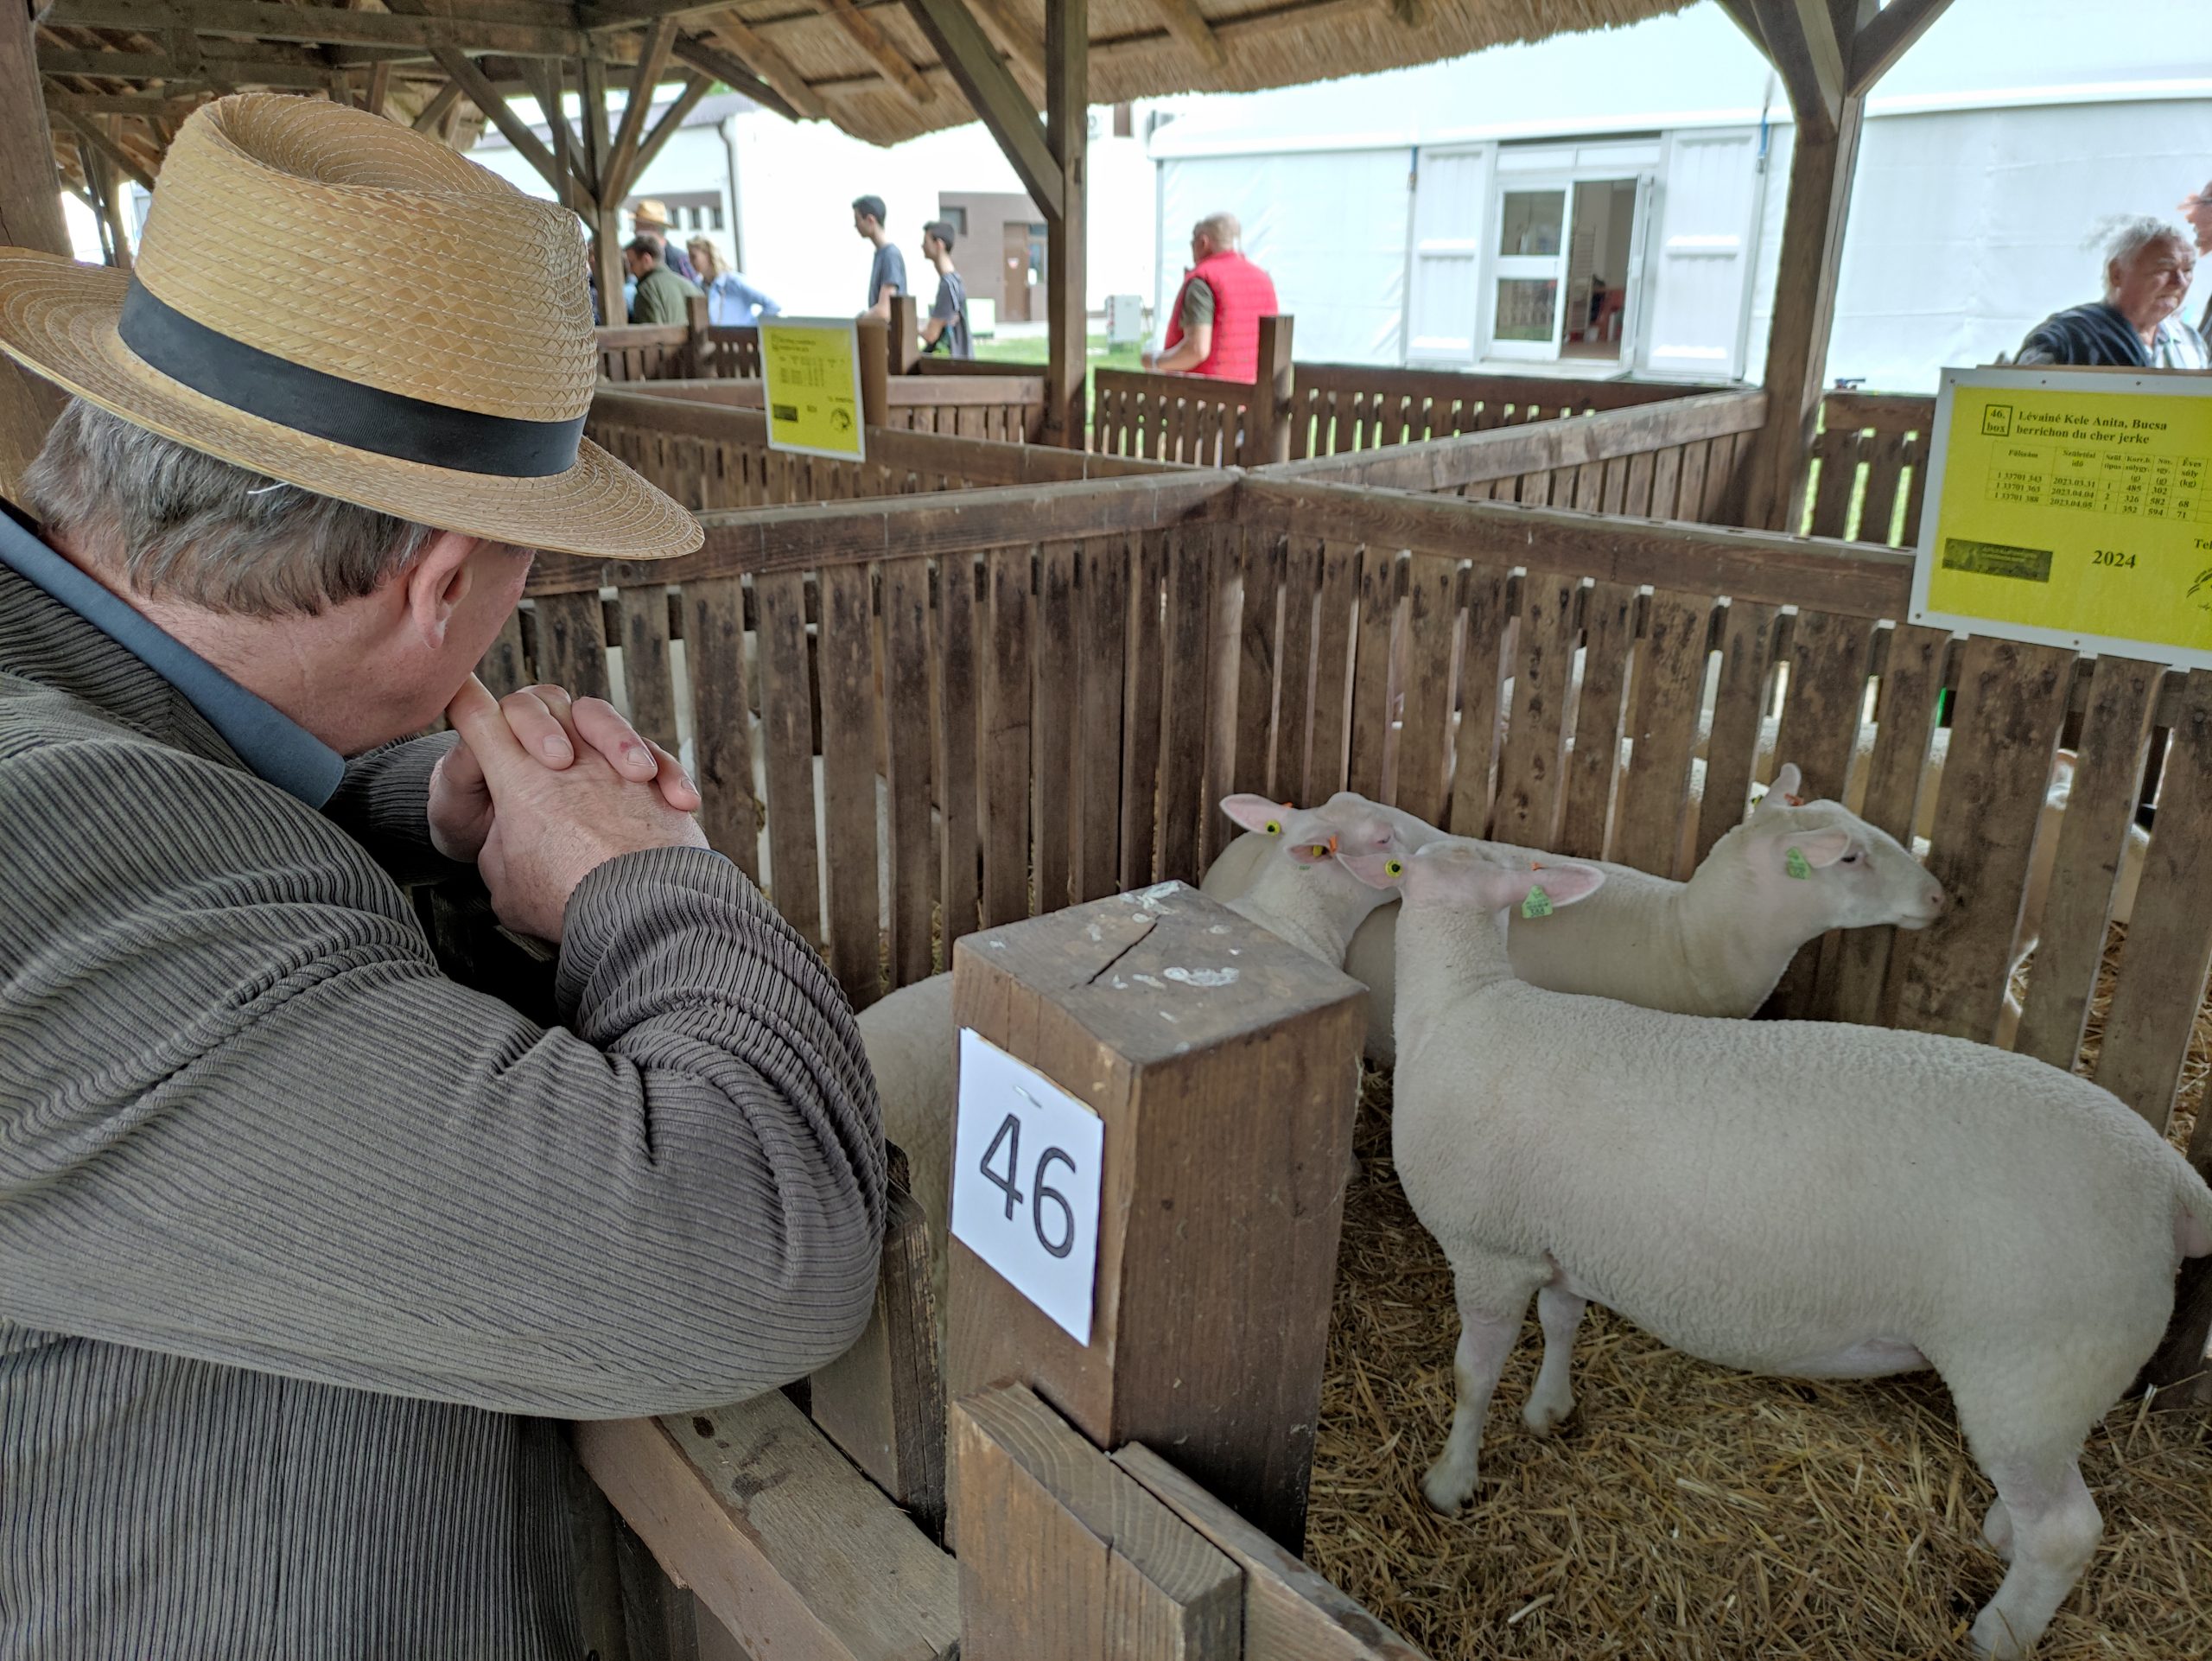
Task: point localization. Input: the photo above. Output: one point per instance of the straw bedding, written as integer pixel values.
(1691, 1513)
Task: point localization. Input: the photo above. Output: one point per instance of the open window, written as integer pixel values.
(1566, 264)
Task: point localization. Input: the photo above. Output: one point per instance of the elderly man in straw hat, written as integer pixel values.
(302, 1245)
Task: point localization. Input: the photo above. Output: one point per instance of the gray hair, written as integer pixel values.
(2127, 238)
(1222, 229)
(184, 526)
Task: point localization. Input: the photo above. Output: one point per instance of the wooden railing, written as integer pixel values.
(1868, 471)
(1340, 407)
(647, 351)
(733, 353)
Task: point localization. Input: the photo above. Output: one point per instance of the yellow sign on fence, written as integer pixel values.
(2072, 508)
(810, 376)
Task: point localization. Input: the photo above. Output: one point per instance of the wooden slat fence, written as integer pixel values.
(1189, 418)
(1105, 659)
(646, 352)
(1868, 471)
(1337, 408)
(733, 353)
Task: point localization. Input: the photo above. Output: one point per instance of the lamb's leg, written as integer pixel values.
(1553, 1398)
(1492, 1297)
(1997, 1530)
(2054, 1528)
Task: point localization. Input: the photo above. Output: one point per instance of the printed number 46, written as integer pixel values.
(1009, 1137)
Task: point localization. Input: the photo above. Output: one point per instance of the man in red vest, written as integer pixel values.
(1215, 328)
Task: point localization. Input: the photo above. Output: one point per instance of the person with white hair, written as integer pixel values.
(1214, 328)
(2148, 264)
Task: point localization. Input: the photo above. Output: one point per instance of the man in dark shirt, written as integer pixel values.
(886, 271)
(946, 327)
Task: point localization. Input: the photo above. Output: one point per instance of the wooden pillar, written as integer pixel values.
(1269, 422)
(1224, 1065)
(606, 212)
(875, 372)
(699, 352)
(30, 217)
(1821, 166)
(906, 334)
(1067, 91)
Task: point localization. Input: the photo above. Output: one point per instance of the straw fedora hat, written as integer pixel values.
(315, 298)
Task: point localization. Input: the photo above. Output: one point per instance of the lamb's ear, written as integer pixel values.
(1812, 850)
(1788, 789)
(1256, 813)
(1544, 890)
(1377, 870)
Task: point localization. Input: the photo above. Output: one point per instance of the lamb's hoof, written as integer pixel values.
(1991, 1635)
(1443, 1493)
(1544, 1417)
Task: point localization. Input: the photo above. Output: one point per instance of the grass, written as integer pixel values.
(1031, 349)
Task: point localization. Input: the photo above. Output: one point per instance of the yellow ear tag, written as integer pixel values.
(1273, 827)
(1395, 867)
(1538, 903)
(1796, 865)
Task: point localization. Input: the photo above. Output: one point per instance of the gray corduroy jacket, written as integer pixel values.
(299, 1238)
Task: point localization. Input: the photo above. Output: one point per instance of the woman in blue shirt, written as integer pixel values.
(731, 301)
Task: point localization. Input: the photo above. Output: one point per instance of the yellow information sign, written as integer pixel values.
(810, 375)
(2074, 509)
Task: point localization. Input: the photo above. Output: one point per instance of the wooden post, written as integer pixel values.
(1267, 431)
(1067, 83)
(30, 217)
(906, 334)
(1225, 1066)
(1066, 1557)
(875, 373)
(607, 213)
(698, 352)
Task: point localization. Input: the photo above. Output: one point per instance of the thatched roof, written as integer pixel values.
(120, 75)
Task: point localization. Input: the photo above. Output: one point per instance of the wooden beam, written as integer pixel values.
(90, 129)
(1814, 97)
(697, 87)
(630, 14)
(724, 66)
(1067, 88)
(379, 89)
(1021, 40)
(500, 114)
(435, 112)
(1002, 106)
(152, 106)
(320, 25)
(873, 41)
(1745, 17)
(30, 217)
(289, 74)
(1187, 25)
(733, 34)
(619, 174)
(605, 213)
(547, 86)
(1888, 35)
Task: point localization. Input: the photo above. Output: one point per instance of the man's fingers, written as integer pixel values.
(461, 769)
(538, 728)
(600, 724)
(476, 715)
(676, 787)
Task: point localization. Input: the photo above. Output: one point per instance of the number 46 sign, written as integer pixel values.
(1025, 1181)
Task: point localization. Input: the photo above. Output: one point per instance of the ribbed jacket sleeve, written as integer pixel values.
(249, 1122)
(383, 803)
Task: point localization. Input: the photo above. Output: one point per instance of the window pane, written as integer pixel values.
(1533, 221)
(1525, 305)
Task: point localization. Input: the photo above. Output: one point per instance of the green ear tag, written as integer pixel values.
(1538, 903)
(1796, 865)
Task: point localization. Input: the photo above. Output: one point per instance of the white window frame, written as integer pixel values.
(1497, 266)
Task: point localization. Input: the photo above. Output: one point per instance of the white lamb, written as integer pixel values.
(1795, 1197)
(1714, 945)
(1301, 894)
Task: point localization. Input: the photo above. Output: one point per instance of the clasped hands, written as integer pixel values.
(542, 789)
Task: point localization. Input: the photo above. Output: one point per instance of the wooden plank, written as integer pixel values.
(845, 658)
(1372, 679)
(908, 755)
(1260, 562)
(722, 736)
(1334, 639)
(2084, 866)
(2162, 968)
(1432, 630)
(1608, 631)
(1666, 482)
(1141, 719)
(1183, 716)
(787, 738)
(1291, 1614)
(1066, 1557)
(1689, 505)
(958, 706)
(572, 644)
(1747, 643)
(505, 665)
(780, 1562)
(1670, 684)
(646, 675)
(1058, 742)
(2004, 721)
(1487, 612)
(1003, 758)
(1838, 454)
(1636, 502)
(883, 1400)
(1912, 676)
(1527, 811)
(1301, 585)
(1102, 605)
(1885, 470)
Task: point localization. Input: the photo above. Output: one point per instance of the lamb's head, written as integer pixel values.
(1454, 874)
(1299, 889)
(1820, 861)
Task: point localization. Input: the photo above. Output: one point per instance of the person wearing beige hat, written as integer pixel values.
(304, 1247)
(649, 219)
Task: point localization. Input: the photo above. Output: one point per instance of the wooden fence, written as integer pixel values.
(918, 717)
(648, 351)
(1868, 470)
(1336, 408)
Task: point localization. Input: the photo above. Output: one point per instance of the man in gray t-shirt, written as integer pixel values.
(946, 328)
(887, 275)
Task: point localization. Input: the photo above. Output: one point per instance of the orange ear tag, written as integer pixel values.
(1333, 844)
(1794, 801)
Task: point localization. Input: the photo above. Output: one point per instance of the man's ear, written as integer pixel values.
(438, 581)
